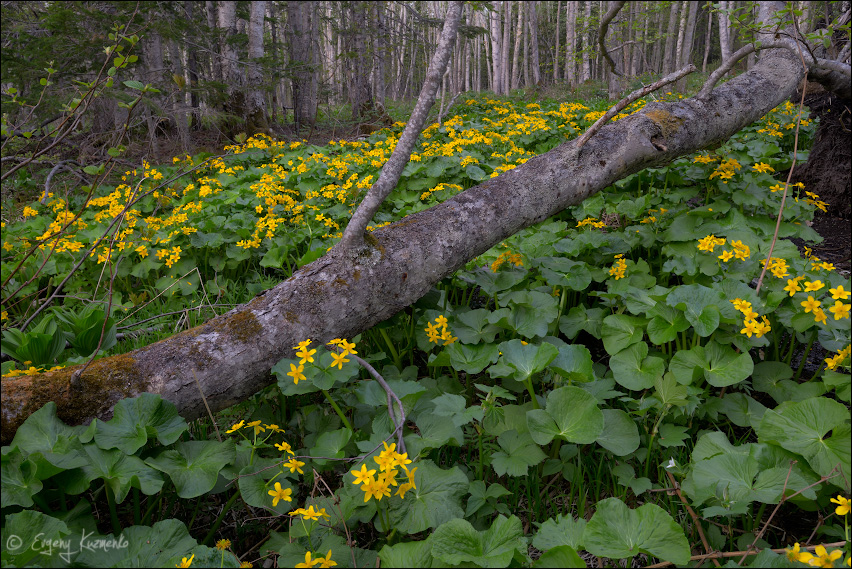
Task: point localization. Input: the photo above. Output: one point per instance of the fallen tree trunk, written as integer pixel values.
(349, 290)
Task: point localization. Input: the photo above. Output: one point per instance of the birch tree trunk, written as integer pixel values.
(685, 50)
(533, 42)
(587, 44)
(571, 42)
(496, 78)
(725, 30)
(507, 45)
(519, 30)
(302, 69)
(339, 295)
(671, 39)
(707, 41)
(558, 37)
(255, 94)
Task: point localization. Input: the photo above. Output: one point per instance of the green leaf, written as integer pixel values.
(473, 327)
(131, 84)
(193, 466)
(563, 530)
(120, 471)
(574, 363)
(802, 428)
(458, 542)
(572, 414)
(529, 359)
(672, 435)
(702, 306)
(471, 359)
(437, 499)
(632, 368)
(618, 532)
(18, 480)
(455, 407)
(725, 366)
(30, 527)
(620, 331)
(134, 419)
(620, 435)
(518, 454)
(560, 556)
(330, 444)
(411, 554)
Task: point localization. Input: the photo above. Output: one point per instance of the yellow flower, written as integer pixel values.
(726, 256)
(823, 558)
(838, 293)
(792, 286)
(813, 286)
(280, 494)
(811, 304)
(844, 505)
(441, 321)
(306, 355)
(348, 347)
(750, 327)
(326, 561)
(186, 562)
(762, 168)
(256, 426)
(403, 488)
(310, 513)
(795, 555)
(246, 564)
(308, 561)
(223, 544)
(284, 447)
(840, 310)
(295, 465)
(296, 373)
(362, 476)
(819, 316)
(302, 345)
(236, 427)
(339, 360)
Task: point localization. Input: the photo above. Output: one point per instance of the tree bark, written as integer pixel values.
(671, 38)
(725, 30)
(255, 96)
(519, 30)
(532, 20)
(303, 63)
(587, 43)
(339, 295)
(571, 43)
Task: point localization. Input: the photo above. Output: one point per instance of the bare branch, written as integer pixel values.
(638, 94)
(613, 11)
(353, 235)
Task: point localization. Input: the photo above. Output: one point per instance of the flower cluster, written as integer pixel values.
(507, 257)
(310, 513)
(591, 222)
(439, 331)
(306, 355)
(319, 561)
(618, 268)
(823, 558)
(726, 170)
(379, 486)
(841, 358)
(752, 326)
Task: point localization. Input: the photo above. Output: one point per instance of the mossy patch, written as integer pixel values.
(242, 326)
(668, 123)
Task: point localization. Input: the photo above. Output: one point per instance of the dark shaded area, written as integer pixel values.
(828, 171)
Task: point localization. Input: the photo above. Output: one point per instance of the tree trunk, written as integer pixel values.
(725, 30)
(685, 51)
(671, 38)
(571, 43)
(496, 51)
(707, 41)
(303, 64)
(519, 30)
(587, 46)
(341, 294)
(558, 37)
(532, 19)
(360, 94)
(255, 96)
(507, 44)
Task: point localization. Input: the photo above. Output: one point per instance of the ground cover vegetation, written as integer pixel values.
(609, 381)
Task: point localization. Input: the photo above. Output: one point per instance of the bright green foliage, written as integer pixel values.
(557, 378)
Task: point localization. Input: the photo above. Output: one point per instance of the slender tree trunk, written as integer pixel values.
(558, 37)
(587, 45)
(255, 93)
(725, 30)
(496, 50)
(533, 42)
(685, 51)
(671, 39)
(707, 41)
(571, 42)
(303, 65)
(507, 45)
(519, 30)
